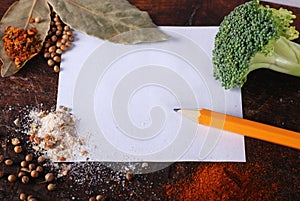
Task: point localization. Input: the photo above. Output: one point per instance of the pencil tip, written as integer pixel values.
(176, 109)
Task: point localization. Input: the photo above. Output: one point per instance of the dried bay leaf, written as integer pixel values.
(114, 20)
(18, 15)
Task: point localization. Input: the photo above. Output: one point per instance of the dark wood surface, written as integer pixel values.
(272, 172)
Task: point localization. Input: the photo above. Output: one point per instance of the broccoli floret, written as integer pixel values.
(254, 36)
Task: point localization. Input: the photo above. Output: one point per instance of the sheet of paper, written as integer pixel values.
(124, 96)
(294, 3)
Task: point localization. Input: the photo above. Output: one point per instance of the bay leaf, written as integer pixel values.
(18, 15)
(114, 20)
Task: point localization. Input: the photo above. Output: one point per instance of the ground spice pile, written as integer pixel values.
(55, 133)
(233, 182)
(20, 44)
(203, 184)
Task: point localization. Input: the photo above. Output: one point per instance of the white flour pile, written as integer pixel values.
(55, 133)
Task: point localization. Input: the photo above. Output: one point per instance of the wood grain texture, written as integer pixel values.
(270, 173)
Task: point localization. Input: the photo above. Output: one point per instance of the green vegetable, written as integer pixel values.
(253, 36)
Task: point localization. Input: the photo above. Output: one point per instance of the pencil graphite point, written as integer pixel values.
(176, 109)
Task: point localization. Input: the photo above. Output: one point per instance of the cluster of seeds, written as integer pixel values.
(58, 40)
(31, 169)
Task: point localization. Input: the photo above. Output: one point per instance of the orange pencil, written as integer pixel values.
(244, 127)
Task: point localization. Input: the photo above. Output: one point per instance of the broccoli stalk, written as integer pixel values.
(253, 36)
(285, 58)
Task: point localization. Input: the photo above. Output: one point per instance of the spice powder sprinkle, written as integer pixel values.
(55, 133)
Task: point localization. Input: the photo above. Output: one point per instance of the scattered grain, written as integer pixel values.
(11, 178)
(67, 28)
(41, 159)
(31, 166)
(1, 158)
(63, 41)
(25, 179)
(129, 176)
(61, 159)
(47, 55)
(15, 141)
(53, 54)
(71, 38)
(56, 68)
(49, 177)
(17, 149)
(8, 162)
(25, 169)
(36, 148)
(51, 187)
(39, 168)
(56, 59)
(17, 122)
(21, 174)
(37, 19)
(92, 199)
(50, 62)
(68, 44)
(47, 44)
(34, 174)
(54, 38)
(100, 198)
(144, 165)
(84, 152)
(29, 157)
(58, 33)
(59, 27)
(23, 163)
(22, 196)
(69, 33)
(65, 36)
(58, 51)
(63, 47)
(52, 49)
